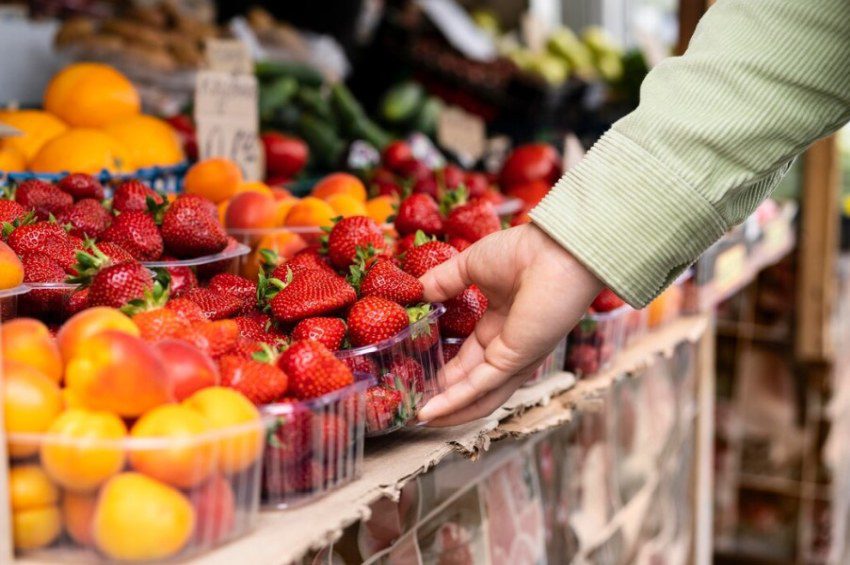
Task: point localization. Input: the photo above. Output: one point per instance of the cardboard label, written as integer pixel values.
(462, 133)
(227, 120)
(729, 267)
(229, 56)
(534, 32)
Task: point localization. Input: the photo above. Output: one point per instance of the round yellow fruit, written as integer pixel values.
(38, 127)
(36, 528)
(35, 516)
(31, 403)
(91, 95)
(150, 142)
(82, 151)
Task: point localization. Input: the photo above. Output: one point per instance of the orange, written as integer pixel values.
(284, 243)
(38, 128)
(91, 95)
(381, 208)
(222, 210)
(310, 212)
(11, 158)
(82, 151)
(236, 419)
(150, 142)
(283, 208)
(31, 403)
(11, 268)
(346, 205)
(215, 179)
(254, 186)
(74, 333)
(140, 519)
(29, 342)
(86, 448)
(340, 183)
(78, 515)
(35, 516)
(183, 457)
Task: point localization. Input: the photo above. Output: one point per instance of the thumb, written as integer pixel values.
(446, 280)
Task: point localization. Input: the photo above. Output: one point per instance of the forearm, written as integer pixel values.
(715, 131)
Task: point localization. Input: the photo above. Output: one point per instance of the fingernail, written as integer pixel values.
(426, 413)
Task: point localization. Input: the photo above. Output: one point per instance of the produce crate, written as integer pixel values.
(163, 179)
(594, 343)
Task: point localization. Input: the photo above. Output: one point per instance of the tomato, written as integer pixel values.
(534, 161)
(286, 156)
(396, 154)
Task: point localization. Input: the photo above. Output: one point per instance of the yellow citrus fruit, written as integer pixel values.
(30, 487)
(140, 519)
(91, 95)
(381, 208)
(38, 127)
(238, 422)
(31, 403)
(35, 516)
(82, 151)
(150, 142)
(36, 528)
(215, 179)
(84, 449)
(346, 205)
(11, 158)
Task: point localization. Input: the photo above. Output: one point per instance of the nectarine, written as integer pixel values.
(187, 368)
(75, 333)
(29, 342)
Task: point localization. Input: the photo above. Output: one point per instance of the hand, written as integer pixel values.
(537, 293)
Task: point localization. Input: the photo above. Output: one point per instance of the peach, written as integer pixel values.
(283, 206)
(254, 186)
(251, 210)
(29, 342)
(31, 402)
(76, 332)
(215, 511)
(188, 369)
(11, 268)
(280, 193)
(340, 183)
(78, 515)
(285, 244)
(346, 205)
(381, 208)
(120, 373)
(311, 212)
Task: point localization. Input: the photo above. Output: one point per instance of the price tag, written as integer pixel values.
(229, 56)
(227, 120)
(534, 32)
(729, 267)
(462, 133)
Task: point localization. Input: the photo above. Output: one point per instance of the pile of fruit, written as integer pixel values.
(594, 343)
(91, 122)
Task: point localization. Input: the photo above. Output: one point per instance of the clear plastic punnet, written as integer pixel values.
(313, 446)
(46, 301)
(594, 343)
(9, 298)
(405, 368)
(636, 325)
(135, 499)
(207, 266)
(553, 363)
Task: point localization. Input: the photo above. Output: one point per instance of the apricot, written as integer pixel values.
(30, 342)
(310, 212)
(78, 515)
(238, 422)
(340, 183)
(286, 244)
(282, 208)
(31, 402)
(251, 210)
(187, 368)
(85, 448)
(254, 186)
(346, 205)
(381, 208)
(120, 373)
(215, 179)
(140, 519)
(35, 516)
(11, 268)
(215, 510)
(36, 528)
(75, 333)
(30, 487)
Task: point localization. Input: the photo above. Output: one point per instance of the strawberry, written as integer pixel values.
(77, 302)
(405, 244)
(39, 268)
(259, 327)
(214, 338)
(350, 233)
(245, 348)
(386, 280)
(41, 237)
(305, 260)
(459, 243)
(427, 256)
(463, 312)
(407, 374)
(88, 218)
(313, 370)
(261, 383)
(361, 364)
(382, 404)
(187, 309)
(374, 319)
(81, 186)
(137, 233)
(66, 253)
(329, 331)
(242, 289)
(472, 221)
(215, 305)
(43, 197)
(450, 350)
(606, 301)
(11, 211)
(183, 280)
(160, 323)
(310, 294)
(188, 229)
(118, 284)
(132, 196)
(419, 212)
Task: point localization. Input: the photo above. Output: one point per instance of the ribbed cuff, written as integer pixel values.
(629, 219)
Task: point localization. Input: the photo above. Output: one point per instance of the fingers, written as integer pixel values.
(483, 406)
(446, 280)
(470, 355)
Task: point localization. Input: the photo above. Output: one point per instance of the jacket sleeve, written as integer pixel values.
(715, 131)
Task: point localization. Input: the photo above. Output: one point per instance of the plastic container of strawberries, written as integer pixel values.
(313, 446)
(9, 299)
(670, 304)
(554, 363)
(214, 477)
(164, 179)
(46, 301)
(596, 341)
(451, 347)
(405, 368)
(207, 266)
(636, 324)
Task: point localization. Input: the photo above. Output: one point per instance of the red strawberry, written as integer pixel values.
(459, 243)
(453, 177)
(11, 211)
(313, 370)
(310, 294)
(427, 256)
(405, 244)
(137, 233)
(187, 309)
(386, 280)
(188, 230)
(242, 289)
(382, 404)
(463, 312)
(215, 305)
(350, 233)
(308, 259)
(361, 364)
(246, 348)
(450, 350)
(473, 221)
(39, 268)
(183, 280)
(88, 218)
(113, 251)
(132, 196)
(81, 186)
(407, 374)
(419, 212)
(261, 383)
(41, 237)
(329, 331)
(606, 301)
(160, 323)
(77, 302)
(374, 319)
(43, 197)
(259, 327)
(214, 338)
(116, 285)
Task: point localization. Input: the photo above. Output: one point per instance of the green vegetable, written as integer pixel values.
(346, 105)
(368, 130)
(276, 94)
(311, 100)
(306, 75)
(402, 102)
(426, 120)
(322, 137)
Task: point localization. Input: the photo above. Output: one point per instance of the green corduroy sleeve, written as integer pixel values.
(714, 133)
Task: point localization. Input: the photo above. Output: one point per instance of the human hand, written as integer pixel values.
(537, 292)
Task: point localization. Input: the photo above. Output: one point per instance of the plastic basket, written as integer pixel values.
(9, 301)
(163, 179)
(554, 363)
(207, 266)
(636, 325)
(595, 342)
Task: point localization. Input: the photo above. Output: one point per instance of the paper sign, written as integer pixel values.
(573, 151)
(229, 56)
(227, 120)
(534, 32)
(462, 133)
